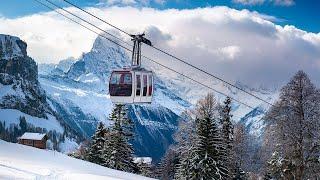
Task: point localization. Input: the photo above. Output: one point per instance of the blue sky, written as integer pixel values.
(303, 14)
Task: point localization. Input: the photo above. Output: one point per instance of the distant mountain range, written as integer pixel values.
(77, 90)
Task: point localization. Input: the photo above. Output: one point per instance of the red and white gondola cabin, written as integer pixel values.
(131, 85)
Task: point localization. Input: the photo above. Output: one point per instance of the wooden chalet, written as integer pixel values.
(37, 140)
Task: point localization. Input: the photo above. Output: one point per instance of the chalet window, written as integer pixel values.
(28, 142)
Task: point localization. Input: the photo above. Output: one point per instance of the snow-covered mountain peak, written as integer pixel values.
(103, 44)
(260, 89)
(65, 64)
(11, 46)
(101, 60)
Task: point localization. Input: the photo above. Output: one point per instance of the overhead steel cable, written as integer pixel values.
(80, 24)
(74, 5)
(154, 61)
(236, 100)
(173, 56)
(86, 21)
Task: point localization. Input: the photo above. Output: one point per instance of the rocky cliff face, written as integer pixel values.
(11, 47)
(19, 79)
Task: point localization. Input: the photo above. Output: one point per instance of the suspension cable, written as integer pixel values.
(74, 5)
(59, 7)
(175, 57)
(154, 61)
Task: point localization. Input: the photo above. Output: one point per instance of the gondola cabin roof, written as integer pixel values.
(128, 69)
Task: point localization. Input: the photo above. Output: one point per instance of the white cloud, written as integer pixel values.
(131, 2)
(260, 2)
(236, 45)
(284, 2)
(249, 2)
(230, 52)
(160, 1)
(123, 2)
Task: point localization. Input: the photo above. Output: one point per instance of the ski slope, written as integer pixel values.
(24, 162)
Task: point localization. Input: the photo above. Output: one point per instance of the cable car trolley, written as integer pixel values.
(133, 84)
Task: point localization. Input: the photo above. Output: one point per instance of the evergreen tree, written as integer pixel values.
(23, 124)
(267, 176)
(118, 152)
(95, 154)
(239, 174)
(186, 169)
(228, 135)
(185, 138)
(205, 158)
(227, 126)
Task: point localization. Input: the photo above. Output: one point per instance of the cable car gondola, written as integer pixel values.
(133, 84)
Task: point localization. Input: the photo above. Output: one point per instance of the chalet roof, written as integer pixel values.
(146, 160)
(33, 136)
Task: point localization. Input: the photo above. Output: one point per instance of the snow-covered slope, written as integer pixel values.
(11, 116)
(24, 162)
(56, 69)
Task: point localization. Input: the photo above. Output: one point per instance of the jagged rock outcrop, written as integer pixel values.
(19, 79)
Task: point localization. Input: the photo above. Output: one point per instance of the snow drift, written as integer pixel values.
(23, 162)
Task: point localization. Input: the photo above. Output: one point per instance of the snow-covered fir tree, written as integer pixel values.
(276, 166)
(239, 174)
(227, 134)
(295, 116)
(227, 125)
(186, 169)
(118, 152)
(204, 158)
(96, 149)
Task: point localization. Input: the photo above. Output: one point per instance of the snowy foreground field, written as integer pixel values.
(23, 162)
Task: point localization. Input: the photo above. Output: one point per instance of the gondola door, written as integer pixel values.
(138, 87)
(144, 87)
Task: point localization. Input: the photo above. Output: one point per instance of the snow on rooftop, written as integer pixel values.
(33, 136)
(146, 160)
